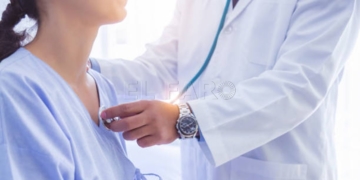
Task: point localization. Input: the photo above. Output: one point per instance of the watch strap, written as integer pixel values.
(184, 109)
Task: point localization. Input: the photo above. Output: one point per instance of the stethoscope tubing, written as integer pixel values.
(208, 58)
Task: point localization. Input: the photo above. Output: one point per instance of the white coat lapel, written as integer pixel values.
(240, 7)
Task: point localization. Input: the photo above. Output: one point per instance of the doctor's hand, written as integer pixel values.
(148, 122)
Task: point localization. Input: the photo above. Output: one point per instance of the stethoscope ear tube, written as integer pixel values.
(211, 52)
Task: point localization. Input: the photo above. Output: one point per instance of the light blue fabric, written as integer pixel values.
(95, 65)
(47, 133)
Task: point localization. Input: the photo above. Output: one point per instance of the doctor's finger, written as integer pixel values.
(129, 123)
(138, 133)
(147, 141)
(124, 110)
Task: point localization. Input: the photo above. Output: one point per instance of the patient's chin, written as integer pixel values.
(114, 19)
(118, 17)
(122, 15)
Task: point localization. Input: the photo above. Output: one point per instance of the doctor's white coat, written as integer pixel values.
(285, 57)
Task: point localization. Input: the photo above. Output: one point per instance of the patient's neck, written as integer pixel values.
(65, 45)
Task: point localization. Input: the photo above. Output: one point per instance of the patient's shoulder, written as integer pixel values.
(18, 72)
(14, 61)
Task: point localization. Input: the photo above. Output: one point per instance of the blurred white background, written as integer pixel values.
(145, 22)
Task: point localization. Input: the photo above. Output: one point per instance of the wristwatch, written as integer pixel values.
(187, 125)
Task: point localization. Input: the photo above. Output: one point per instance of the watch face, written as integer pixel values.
(188, 125)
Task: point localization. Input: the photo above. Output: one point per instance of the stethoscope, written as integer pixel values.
(208, 58)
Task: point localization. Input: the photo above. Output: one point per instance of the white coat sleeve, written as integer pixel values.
(320, 37)
(150, 75)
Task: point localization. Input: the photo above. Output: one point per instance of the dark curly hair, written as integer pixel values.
(15, 11)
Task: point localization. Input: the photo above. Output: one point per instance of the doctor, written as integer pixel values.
(281, 62)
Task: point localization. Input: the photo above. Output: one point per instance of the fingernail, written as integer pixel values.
(103, 115)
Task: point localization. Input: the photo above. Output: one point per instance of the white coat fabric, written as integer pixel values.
(285, 57)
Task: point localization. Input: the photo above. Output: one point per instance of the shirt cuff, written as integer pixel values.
(95, 65)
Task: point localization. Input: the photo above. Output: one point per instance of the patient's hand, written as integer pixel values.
(148, 122)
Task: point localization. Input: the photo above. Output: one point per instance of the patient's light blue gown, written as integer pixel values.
(46, 133)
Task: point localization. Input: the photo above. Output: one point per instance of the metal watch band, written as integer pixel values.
(184, 109)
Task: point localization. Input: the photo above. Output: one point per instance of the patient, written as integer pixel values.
(50, 100)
